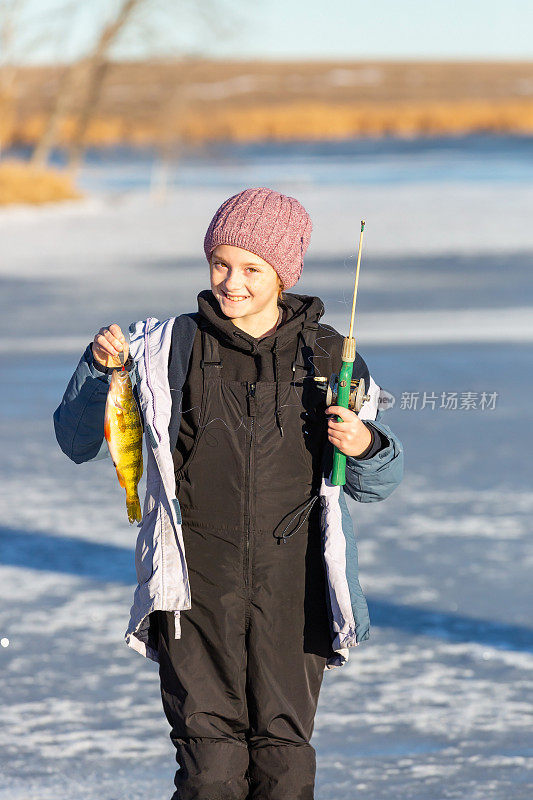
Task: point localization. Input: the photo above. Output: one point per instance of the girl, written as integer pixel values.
(248, 588)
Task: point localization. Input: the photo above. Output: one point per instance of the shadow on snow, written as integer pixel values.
(107, 562)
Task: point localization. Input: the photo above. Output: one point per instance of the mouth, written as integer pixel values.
(234, 298)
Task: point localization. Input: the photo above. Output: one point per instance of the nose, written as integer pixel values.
(233, 289)
(233, 282)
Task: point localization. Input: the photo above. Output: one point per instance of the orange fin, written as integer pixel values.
(107, 430)
(134, 510)
(121, 478)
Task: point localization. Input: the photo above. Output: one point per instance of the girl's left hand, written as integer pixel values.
(351, 436)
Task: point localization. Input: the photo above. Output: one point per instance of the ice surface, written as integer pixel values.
(435, 704)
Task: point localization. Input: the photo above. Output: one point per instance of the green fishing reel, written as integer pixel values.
(356, 397)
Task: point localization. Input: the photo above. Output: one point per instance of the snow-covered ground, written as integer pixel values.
(435, 704)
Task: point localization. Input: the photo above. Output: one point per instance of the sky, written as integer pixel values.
(290, 29)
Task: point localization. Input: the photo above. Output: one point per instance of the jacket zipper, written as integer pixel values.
(249, 489)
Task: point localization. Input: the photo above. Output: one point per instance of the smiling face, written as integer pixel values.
(244, 284)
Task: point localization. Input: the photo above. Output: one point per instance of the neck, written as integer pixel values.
(259, 325)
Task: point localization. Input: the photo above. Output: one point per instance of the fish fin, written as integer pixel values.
(133, 508)
(107, 430)
(120, 478)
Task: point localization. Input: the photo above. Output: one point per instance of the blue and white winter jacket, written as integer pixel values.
(160, 557)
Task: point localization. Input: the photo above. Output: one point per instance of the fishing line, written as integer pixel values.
(299, 395)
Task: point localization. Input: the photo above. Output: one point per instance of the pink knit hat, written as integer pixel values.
(275, 227)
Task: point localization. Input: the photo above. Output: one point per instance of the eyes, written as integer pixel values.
(221, 265)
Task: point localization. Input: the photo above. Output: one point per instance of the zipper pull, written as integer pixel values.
(251, 399)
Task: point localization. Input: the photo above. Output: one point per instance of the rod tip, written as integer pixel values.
(363, 223)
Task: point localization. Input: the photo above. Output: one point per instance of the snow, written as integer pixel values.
(435, 704)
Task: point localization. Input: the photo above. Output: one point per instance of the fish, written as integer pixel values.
(123, 432)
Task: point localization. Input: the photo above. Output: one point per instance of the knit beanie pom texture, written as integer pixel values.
(274, 226)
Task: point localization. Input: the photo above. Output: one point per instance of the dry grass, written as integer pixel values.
(302, 121)
(198, 100)
(22, 183)
(305, 121)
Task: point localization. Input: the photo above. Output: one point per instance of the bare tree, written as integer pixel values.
(171, 142)
(24, 34)
(81, 83)
(43, 148)
(83, 79)
(97, 64)
(9, 18)
(6, 83)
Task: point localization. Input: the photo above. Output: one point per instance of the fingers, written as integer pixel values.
(351, 438)
(109, 341)
(346, 414)
(347, 432)
(115, 337)
(346, 427)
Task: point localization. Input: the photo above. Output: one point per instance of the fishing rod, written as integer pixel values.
(343, 389)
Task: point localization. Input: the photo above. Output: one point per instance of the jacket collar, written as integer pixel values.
(298, 310)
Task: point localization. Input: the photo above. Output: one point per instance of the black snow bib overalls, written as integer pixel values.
(241, 685)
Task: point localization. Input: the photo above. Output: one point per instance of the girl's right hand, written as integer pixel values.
(108, 342)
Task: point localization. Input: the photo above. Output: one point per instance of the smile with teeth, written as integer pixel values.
(235, 298)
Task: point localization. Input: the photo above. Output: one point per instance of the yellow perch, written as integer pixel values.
(123, 432)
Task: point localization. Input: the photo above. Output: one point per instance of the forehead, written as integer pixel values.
(238, 256)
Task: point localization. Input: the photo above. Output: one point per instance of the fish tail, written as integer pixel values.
(133, 507)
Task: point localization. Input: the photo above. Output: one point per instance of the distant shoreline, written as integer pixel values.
(165, 104)
(236, 149)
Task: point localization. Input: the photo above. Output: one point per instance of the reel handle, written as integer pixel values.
(338, 473)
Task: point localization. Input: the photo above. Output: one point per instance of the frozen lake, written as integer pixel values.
(437, 703)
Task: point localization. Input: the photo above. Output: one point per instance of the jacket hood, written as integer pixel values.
(298, 311)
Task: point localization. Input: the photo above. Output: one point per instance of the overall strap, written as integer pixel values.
(210, 365)
(183, 334)
(303, 359)
(210, 362)
(305, 348)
